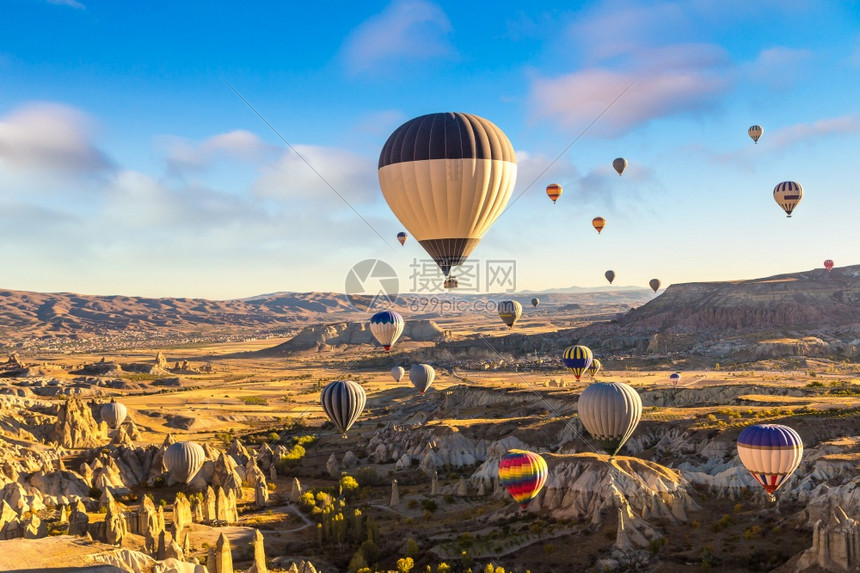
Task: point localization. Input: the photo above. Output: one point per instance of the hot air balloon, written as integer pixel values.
(620, 164)
(553, 191)
(598, 223)
(422, 376)
(828, 264)
(523, 474)
(114, 414)
(447, 177)
(771, 453)
(184, 460)
(595, 367)
(510, 311)
(386, 326)
(578, 359)
(610, 411)
(535, 301)
(610, 276)
(755, 132)
(675, 378)
(654, 284)
(401, 236)
(398, 372)
(343, 401)
(787, 195)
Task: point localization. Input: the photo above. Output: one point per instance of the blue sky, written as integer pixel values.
(127, 164)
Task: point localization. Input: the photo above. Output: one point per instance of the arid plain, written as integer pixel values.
(415, 483)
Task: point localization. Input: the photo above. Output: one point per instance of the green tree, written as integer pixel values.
(357, 562)
(348, 485)
(412, 549)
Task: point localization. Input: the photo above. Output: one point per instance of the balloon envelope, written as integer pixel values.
(610, 276)
(422, 376)
(554, 191)
(828, 264)
(654, 284)
(343, 401)
(523, 474)
(184, 460)
(787, 195)
(771, 453)
(619, 164)
(598, 223)
(755, 132)
(447, 177)
(578, 359)
(535, 301)
(510, 311)
(401, 236)
(398, 372)
(114, 414)
(386, 327)
(675, 378)
(595, 367)
(610, 411)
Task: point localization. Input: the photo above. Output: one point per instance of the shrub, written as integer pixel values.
(405, 564)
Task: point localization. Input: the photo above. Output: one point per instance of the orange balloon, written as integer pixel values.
(553, 191)
(599, 223)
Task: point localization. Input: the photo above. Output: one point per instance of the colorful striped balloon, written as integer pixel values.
(594, 368)
(771, 453)
(523, 474)
(386, 327)
(554, 191)
(578, 358)
(598, 223)
(787, 195)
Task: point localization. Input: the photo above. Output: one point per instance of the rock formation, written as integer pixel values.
(223, 557)
(395, 495)
(259, 549)
(296, 490)
(76, 427)
(835, 544)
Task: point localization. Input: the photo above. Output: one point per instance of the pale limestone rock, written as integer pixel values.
(296, 491)
(462, 488)
(395, 495)
(259, 565)
(116, 528)
(79, 520)
(261, 494)
(223, 557)
(332, 466)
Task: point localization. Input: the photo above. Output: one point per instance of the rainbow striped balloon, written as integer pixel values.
(523, 475)
(578, 359)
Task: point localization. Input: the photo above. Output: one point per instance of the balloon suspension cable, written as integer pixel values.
(306, 162)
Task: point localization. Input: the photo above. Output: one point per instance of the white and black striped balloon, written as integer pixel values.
(114, 414)
(184, 460)
(422, 376)
(610, 411)
(343, 401)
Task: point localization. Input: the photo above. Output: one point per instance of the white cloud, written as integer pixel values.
(70, 3)
(778, 67)
(50, 137)
(239, 145)
(665, 82)
(406, 30)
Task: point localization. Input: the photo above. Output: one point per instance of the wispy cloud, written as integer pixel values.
(50, 137)
(183, 155)
(406, 30)
(778, 67)
(70, 3)
(666, 81)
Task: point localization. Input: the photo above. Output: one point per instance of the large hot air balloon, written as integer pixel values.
(654, 284)
(398, 372)
(595, 367)
(610, 411)
(343, 401)
(620, 164)
(510, 311)
(535, 301)
(598, 223)
(610, 276)
(447, 177)
(401, 236)
(787, 195)
(771, 453)
(184, 460)
(422, 376)
(675, 378)
(553, 191)
(386, 326)
(828, 264)
(114, 413)
(578, 359)
(523, 474)
(755, 132)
